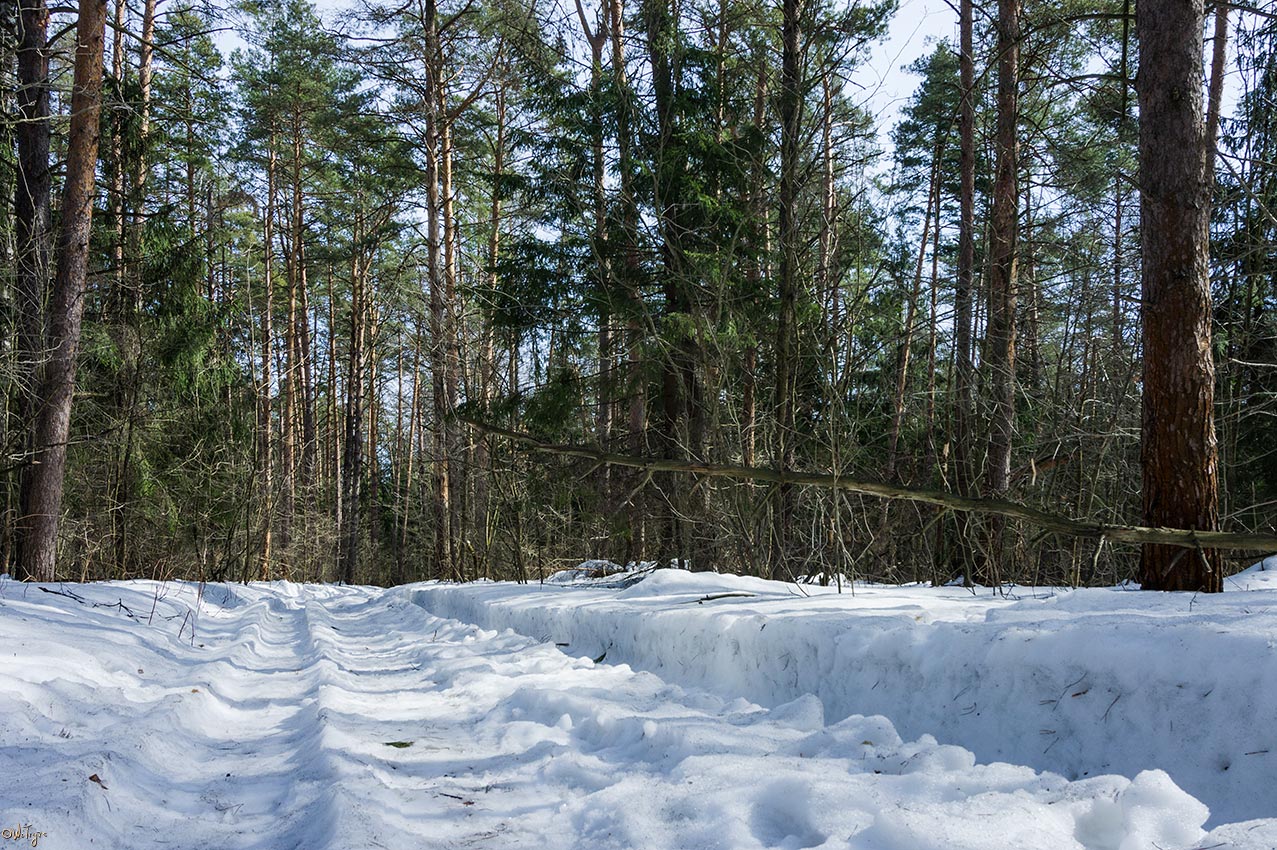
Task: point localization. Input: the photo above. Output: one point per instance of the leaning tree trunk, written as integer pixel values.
(1180, 453)
(42, 492)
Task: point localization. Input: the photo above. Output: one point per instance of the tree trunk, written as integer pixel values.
(627, 277)
(352, 456)
(43, 490)
(791, 107)
(963, 296)
(445, 563)
(1003, 238)
(602, 261)
(117, 198)
(266, 432)
(454, 436)
(1179, 452)
(32, 226)
(487, 364)
(299, 285)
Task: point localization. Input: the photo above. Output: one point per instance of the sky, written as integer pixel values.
(884, 84)
(917, 25)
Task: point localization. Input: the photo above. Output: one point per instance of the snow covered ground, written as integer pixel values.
(1080, 683)
(283, 716)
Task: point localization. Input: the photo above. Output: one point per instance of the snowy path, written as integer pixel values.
(315, 717)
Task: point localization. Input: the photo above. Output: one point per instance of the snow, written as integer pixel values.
(1079, 683)
(281, 716)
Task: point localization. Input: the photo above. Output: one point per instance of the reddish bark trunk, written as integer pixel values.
(1180, 454)
(42, 490)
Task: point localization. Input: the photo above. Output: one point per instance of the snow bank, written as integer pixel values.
(1080, 683)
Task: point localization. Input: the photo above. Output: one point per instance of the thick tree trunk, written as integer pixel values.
(31, 221)
(43, 490)
(31, 201)
(603, 411)
(1180, 454)
(487, 364)
(1003, 237)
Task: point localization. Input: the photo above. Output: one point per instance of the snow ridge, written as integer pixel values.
(1081, 683)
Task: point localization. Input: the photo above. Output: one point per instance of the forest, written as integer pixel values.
(460, 289)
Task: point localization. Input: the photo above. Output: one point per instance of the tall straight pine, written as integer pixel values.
(1180, 454)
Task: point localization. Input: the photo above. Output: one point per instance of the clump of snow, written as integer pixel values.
(599, 573)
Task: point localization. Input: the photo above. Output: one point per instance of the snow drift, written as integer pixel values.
(1080, 683)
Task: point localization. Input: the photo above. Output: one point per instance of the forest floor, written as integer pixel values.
(281, 716)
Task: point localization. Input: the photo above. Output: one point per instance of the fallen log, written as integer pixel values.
(1188, 538)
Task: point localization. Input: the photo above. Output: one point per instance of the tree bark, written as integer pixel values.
(43, 493)
(1004, 236)
(1179, 452)
(32, 226)
(31, 201)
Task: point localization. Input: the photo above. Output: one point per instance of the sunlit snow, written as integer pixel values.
(278, 716)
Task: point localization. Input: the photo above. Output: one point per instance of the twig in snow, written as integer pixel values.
(154, 602)
(128, 612)
(1070, 686)
(711, 597)
(1110, 708)
(68, 594)
(463, 800)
